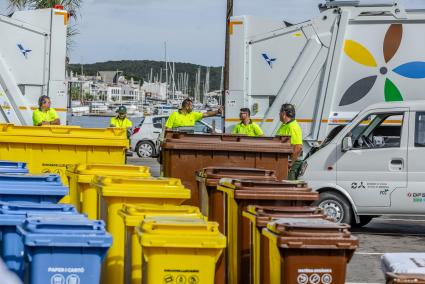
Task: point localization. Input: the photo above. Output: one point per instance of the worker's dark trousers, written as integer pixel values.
(294, 171)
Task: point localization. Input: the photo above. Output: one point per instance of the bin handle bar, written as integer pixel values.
(28, 178)
(289, 209)
(29, 209)
(231, 138)
(60, 130)
(63, 227)
(71, 225)
(247, 171)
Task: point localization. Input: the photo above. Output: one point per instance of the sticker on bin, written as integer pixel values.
(9, 167)
(33, 188)
(76, 249)
(314, 276)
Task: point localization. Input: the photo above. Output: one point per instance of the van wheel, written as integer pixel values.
(145, 149)
(336, 206)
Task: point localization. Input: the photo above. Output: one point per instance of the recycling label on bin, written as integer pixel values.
(314, 276)
(59, 169)
(65, 275)
(181, 276)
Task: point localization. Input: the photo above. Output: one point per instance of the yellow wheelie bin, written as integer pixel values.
(83, 196)
(114, 193)
(49, 149)
(133, 215)
(180, 250)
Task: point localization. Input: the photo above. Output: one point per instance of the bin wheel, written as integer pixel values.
(145, 149)
(336, 206)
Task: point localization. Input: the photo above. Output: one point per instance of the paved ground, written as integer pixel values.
(384, 234)
(152, 163)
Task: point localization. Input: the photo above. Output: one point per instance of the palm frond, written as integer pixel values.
(71, 32)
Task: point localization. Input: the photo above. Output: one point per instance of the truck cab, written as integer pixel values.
(373, 166)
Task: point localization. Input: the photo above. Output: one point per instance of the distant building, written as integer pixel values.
(155, 91)
(110, 77)
(109, 87)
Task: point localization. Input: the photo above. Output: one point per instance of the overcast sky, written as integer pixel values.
(193, 29)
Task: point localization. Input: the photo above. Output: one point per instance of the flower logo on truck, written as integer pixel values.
(360, 54)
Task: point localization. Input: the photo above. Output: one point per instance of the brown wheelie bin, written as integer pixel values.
(259, 217)
(395, 278)
(212, 200)
(309, 250)
(404, 267)
(182, 154)
(239, 194)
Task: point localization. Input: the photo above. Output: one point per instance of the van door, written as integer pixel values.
(377, 163)
(414, 197)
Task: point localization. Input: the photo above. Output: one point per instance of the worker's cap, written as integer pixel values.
(122, 109)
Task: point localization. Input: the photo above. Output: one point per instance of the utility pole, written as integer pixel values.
(166, 70)
(229, 13)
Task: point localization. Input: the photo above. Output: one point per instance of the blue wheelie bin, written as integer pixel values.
(12, 168)
(31, 188)
(9, 167)
(13, 214)
(64, 250)
(46, 188)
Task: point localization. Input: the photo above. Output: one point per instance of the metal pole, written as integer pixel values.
(229, 13)
(166, 71)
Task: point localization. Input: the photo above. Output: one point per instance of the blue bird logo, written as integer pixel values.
(24, 50)
(269, 60)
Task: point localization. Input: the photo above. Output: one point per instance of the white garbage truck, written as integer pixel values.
(32, 63)
(352, 55)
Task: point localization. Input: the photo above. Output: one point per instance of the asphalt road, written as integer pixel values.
(382, 235)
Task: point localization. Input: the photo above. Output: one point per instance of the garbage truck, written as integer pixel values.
(352, 55)
(32, 63)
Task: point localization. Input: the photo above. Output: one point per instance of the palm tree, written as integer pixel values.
(72, 6)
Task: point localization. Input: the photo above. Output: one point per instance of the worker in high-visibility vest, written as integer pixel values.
(121, 119)
(247, 126)
(45, 115)
(186, 117)
(291, 127)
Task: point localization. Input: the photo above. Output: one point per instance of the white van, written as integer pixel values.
(145, 139)
(374, 166)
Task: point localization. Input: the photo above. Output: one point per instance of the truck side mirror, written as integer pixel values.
(347, 144)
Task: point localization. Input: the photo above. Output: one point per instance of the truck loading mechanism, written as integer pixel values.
(331, 67)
